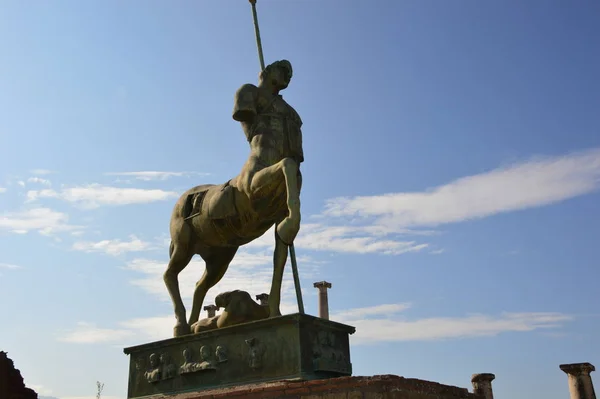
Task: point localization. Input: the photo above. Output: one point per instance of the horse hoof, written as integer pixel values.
(181, 329)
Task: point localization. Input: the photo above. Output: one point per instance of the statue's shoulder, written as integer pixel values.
(247, 88)
(245, 103)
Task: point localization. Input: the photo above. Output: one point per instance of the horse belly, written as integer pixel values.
(229, 232)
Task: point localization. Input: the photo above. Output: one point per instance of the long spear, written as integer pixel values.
(257, 32)
(292, 250)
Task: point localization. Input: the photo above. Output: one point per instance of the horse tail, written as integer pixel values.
(171, 249)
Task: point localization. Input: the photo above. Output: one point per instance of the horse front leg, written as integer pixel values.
(279, 260)
(264, 184)
(288, 228)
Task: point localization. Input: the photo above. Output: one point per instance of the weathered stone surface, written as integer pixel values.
(580, 380)
(291, 347)
(482, 384)
(12, 385)
(323, 286)
(380, 387)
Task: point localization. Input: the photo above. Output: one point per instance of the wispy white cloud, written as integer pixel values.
(39, 180)
(370, 311)
(8, 266)
(251, 271)
(40, 389)
(87, 333)
(41, 172)
(382, 324)
(348, 239)
(44, 220)
(2, 189)
(126, 332)
(152, 328)
(113, 247)
(95, 195)
(373, 324)
(21, 183)
(534, 183)
(437, 251)
(353, 239)
(154, 175)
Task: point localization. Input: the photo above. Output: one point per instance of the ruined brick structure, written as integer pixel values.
(11, 381)
(377, 387)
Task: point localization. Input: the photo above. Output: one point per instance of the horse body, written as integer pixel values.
(213, 221)
(223, 216)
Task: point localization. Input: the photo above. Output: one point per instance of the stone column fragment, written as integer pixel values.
(211, 309)
(323, 299)
(263, 299)
(482, 385)
(580, 380)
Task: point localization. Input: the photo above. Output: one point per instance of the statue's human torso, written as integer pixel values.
(276, 131)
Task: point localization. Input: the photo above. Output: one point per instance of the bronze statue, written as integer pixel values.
(213, 221)
(238, 307)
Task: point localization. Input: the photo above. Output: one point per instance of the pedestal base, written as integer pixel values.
(292, 347)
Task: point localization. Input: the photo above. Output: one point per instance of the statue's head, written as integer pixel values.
(204, 352)
(278, 73)
(153, 360)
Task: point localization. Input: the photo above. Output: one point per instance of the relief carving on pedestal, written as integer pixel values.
(221, 354)
(190, 366)
(160, 368)
(168, 369)
(328, 355)
(256, 350)
(153, 372)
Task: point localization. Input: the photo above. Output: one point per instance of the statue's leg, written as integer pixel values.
(263, 184)
(279, 259)
(180, 258)
(217, 261)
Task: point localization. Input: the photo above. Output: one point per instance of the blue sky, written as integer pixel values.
(450, 184)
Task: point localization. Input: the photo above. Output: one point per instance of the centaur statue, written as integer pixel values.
(213, 221)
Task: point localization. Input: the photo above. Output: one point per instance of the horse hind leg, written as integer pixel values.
(180, 258)
(217, 262)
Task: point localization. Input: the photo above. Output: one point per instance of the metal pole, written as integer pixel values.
(292, 250)
(296, 279)
(257, 32)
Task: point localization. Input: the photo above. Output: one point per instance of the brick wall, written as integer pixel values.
(376, 387)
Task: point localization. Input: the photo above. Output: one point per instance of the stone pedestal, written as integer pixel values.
(291, 347)
(580, 381)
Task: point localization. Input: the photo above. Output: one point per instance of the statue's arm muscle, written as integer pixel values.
(244, 109)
